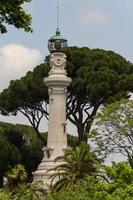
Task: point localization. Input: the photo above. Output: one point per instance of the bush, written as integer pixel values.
(5, 195)
(26, 192)
(118, 187)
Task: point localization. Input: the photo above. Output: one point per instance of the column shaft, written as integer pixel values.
(57, 137)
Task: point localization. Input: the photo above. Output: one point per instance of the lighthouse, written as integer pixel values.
(57, 83)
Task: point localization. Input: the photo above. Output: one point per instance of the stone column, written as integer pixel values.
(57, 83)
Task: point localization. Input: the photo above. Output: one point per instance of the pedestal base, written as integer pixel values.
(42, 174)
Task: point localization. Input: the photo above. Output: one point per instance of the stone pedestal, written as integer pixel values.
(57, 83)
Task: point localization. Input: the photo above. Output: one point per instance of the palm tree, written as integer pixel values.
(77, 164)
(16, 177)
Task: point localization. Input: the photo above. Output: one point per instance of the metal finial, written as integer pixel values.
(58, 16)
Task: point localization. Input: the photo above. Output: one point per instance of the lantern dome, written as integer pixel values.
(57, 43)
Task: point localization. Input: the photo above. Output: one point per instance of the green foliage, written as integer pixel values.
(98, 77)
(72, 140)
(92, 188)
(26, 192)
(102, 74)
(16, 177)
(118, 187)
(19, 144)
(120, 173)
(29, 93)
(75, 193)
(4, 195)
(115, 130)
(12, 13)
(76, 164)
(9, 156)
(85, 190)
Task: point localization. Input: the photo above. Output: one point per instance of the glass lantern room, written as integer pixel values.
(57, 43)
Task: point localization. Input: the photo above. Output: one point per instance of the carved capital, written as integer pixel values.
(47, 152)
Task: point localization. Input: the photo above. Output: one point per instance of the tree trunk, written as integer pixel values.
(130, 162)
(1, 181)
(40, 136)
(82, 137)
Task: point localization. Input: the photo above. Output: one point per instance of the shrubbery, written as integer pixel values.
(26, 192)
(116, 188)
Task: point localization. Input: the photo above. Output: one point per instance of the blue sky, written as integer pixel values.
(106, 24)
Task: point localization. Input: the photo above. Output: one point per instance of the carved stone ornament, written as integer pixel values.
(58, 60)
(47, 152)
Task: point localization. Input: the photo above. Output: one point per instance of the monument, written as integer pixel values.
(57, 83)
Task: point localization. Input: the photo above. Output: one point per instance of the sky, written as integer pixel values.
(105, 24)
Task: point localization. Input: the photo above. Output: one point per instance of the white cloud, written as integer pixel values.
(15, 61)
(93, 17)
